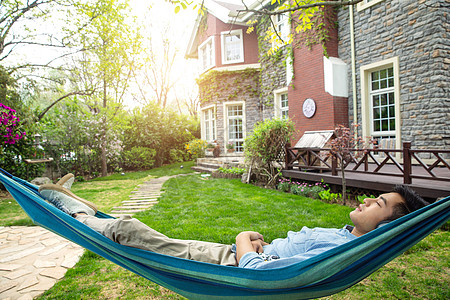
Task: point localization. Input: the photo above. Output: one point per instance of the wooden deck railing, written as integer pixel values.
(406, 163)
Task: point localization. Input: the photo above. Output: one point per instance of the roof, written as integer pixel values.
(314, 139)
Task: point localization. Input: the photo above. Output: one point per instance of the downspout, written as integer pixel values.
(353, 58)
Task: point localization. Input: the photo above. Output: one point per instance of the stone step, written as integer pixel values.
(139, 200)
(138, 203)
(129, 212)
(130, 207)
(118, 215)
(209, 165)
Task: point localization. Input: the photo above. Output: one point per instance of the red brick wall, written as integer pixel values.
(216, 26)
(308, 82)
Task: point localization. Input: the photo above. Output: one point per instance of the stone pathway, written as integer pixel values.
(32, 258)
(143, 198)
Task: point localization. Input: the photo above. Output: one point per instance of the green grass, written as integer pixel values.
(11, 214)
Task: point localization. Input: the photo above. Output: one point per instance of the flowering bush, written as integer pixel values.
(196, 148)
(9, 130)
(307, 190)
(284, 185)
(301, 188)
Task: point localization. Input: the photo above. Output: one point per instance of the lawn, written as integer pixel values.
(216, 210)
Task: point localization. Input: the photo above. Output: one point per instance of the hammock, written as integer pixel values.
(319, 276)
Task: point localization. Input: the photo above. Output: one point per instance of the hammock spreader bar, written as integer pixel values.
(322, 275)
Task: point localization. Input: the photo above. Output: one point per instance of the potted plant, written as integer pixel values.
(209, 147)
(230, 147)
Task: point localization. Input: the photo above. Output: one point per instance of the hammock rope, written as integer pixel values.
(319, 276)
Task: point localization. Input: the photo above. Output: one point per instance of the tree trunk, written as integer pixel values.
(104, 165)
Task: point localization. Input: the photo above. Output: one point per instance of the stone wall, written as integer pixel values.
(273, 69)
(417, 33)
(219, 88)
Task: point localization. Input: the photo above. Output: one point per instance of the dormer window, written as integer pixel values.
(206, 54)
(232, 47)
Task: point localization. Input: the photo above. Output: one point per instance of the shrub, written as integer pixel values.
(265, 146)
(177, 155)
(362, 197)
(196, 148)
(139, 158)
(234, 170)
(161, 129)
(328, 196)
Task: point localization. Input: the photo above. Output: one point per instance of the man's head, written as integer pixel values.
(386, 207)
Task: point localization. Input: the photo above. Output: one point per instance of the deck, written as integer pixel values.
(430, 179)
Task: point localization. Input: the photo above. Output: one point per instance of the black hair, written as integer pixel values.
(412, 202)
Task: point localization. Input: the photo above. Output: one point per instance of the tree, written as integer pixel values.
(21, 28)
(110, 60)
(341, 150)
(158, 70)
(190, 102)
(11, 13)
(21, 25)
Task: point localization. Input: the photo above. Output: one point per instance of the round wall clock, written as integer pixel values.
(309, 108)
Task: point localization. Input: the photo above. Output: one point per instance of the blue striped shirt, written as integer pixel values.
(297, 246)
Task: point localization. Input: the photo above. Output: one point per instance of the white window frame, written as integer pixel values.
(223, 35)
(213, 129)
(207, 46)
(225, 118)
(284, 34)
(366, 99)
(366, 4)
(277, 94)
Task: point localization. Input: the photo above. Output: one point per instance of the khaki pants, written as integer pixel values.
(131, 232)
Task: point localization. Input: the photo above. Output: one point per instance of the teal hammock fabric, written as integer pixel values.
(322, 275)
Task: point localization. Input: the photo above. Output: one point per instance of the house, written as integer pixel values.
(386, 68)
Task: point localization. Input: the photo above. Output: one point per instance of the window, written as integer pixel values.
(281, 103)
(232, 47)
(209, 124)
(235, 125)
(206, 54)
(380, 100)
(284, 106)
(281, 24)
(366, 4)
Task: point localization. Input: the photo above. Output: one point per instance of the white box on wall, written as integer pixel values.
(335, 76)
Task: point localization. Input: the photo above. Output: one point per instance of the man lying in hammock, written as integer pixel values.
(250, 250)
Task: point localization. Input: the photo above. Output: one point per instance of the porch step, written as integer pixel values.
(209, 165)
(203, 169)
